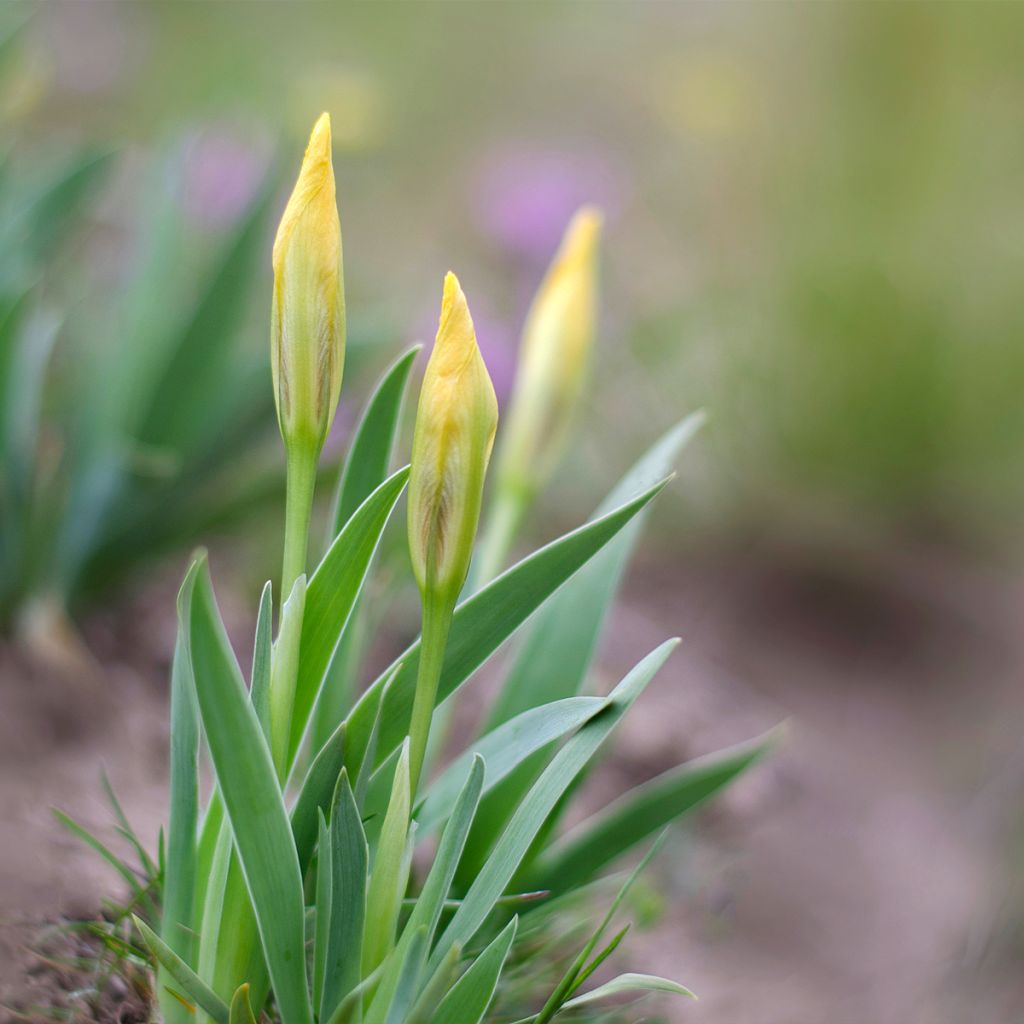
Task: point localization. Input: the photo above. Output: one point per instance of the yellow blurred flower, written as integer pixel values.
(557, 340)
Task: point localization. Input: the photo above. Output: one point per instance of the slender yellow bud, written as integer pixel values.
(557, 340)
(455, 424)
(307, 337)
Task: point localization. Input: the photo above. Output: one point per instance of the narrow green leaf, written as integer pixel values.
(177, 925)
(428, 905)
(253, 801)
(369, 454)
(481, 624)
(384, 897)
(315, 793)
(628, 983)
(284, 668)
(180, 971)
(559, 643)
(148, 865)
(324, 907)
(436, 988)
(259, 688)
(350, 1009)
(139, 893)
(538, 803)
(332, 592)
(349, 861)
(467, 1001)
(579, 968)
(199, 355)
(403, 965)
(52, 213)
(610, 948)
(504, 749)
(596, 842)
(240, 1012)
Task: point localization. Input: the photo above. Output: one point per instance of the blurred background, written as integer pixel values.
(813, 224)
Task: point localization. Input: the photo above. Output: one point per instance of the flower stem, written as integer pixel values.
(301, 479)
(437, 620)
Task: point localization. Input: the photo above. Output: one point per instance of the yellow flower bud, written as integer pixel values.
(557, 339)
(307, 336)
(455, 424)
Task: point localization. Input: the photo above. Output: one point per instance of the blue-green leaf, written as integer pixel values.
(177, 925)
(349, 860)
(192, 985)
(481, 624)
(253, 802)
(503, 750)
(531, 814)
(469, 997)
(581, 853)
(369, 454)
(332, 591)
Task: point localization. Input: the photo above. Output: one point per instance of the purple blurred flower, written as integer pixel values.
(525, 196)
(223, 171)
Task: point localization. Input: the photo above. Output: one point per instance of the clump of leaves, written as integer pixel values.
(333, 875)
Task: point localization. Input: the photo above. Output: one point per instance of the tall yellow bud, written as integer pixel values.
(455, 424)
(557, 339)
(554, 356)
(307, 338)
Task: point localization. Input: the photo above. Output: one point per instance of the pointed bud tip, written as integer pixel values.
(320, 138)
(584, 231)
(456, 336)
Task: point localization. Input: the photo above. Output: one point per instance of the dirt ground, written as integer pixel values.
(862, 875)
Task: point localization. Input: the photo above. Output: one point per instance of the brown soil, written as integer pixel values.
(862, 875)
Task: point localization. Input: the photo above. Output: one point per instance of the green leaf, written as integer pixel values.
(180, 971)
(240, 1012)
(391, 1003)
(365, 468)
(315, 794)
(481, 624)
(350, 1008)
(177, 925)
(436, 988)
(324, 909)
(284, 667)
(332, 591)
(369, 454)
(253, 802)
(259, 688)
(139, 893)
(628, 983)
(387, 883)
(197, 370)
(405, 991)
(149, 866)
(596, 842)
(531, 814)
(349, 861)
(469, 997)
(559, 644)
(53, 212)
(579, 970)
(504, 749)
(428, 905)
